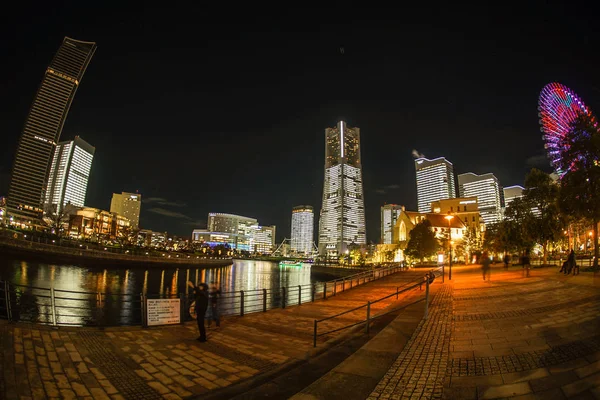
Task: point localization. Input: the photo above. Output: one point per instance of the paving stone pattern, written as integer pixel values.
(420, 369)
(40, 362)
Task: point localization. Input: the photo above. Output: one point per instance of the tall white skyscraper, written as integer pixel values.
(435, 181)
(389, 215)
(487, 190)
(69, 173)
(342, 219)
(303, 219)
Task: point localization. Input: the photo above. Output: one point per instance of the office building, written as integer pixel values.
(342, 219)
(302, 230)
(238, 232)
(487, 190)
(389, 215)
(96, 224)
(43, 127)
(435, 181)
(128, 205)
(69, 173)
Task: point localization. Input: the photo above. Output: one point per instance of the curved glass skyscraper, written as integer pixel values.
(43, 126)
(342, 219)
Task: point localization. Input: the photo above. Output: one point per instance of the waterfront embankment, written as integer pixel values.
(59, 254)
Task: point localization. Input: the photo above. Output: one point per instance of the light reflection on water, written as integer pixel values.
(122, 287)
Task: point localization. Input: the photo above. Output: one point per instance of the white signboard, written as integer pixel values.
(163, 311)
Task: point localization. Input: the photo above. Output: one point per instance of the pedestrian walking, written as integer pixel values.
(526, 263)
(485, 265)
(201, 300)
(214, 295)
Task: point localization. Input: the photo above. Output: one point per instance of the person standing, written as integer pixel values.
(506, 260)
(485, 265)
(570, 263)
(213, 296)
(201, 299)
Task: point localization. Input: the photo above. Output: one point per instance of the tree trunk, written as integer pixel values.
(595, 243)
(545, 252)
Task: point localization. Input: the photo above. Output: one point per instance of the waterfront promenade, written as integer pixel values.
(513, 337)
(167, 362)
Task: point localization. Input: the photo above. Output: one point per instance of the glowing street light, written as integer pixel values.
(449, 217)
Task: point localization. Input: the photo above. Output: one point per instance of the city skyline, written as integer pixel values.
(428, 86)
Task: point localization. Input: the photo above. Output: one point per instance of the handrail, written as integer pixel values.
(429, 276)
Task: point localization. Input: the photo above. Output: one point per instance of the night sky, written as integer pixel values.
(224, 109)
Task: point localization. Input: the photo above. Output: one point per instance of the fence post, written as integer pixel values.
(344, 284)
(143, 309)
(396, 292)
(53, 302)
(241, 303)
(325, 290)
(351, 279)
(427, 297)
(182, 308)
(99, 308)
(299, 294)
(264, 300)
(7, 297)
(315, 334)
(312, 295)
(443, 273)
(334, 287)
(368, 315)
(283, 297)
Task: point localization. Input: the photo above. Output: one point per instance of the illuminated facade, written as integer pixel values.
(303, 219)
(239, 233)
(128, 205)
(94, 224)
(69, 173)
(487, 190)
(342, 219)
(465, 208)
(42, 129)
(435, 181)
(511, 193)
(389, 215)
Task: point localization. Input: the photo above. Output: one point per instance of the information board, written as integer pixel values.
(163, 311)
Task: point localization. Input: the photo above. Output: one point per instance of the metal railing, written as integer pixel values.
(427, 279)
(59, 307)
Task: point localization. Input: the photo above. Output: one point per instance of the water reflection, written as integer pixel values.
(88, 294)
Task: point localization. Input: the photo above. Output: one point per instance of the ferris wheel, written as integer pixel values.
(558, 107)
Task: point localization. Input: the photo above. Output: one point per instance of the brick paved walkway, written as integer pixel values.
(513, 337)
(134, 363)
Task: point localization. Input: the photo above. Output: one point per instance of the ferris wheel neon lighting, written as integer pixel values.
(558, 107)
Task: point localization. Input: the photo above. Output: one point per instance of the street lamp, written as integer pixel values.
(449, 217)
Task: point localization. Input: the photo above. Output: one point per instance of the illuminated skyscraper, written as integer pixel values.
(342, 219)
(435, 181)
(69, 173)
(127, 205)
(43, 126)
(389, 215)
(303, 220)
(487, 190)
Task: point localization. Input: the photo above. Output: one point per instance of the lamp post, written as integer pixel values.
(449, 217)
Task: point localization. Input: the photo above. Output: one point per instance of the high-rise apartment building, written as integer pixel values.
(128, 205)
(435, 181)
(511, 193)
(42, 129)
(487, 190)
(389, 215)
(342, 219)
(69, 173)
(302, 230)
(263, 239)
